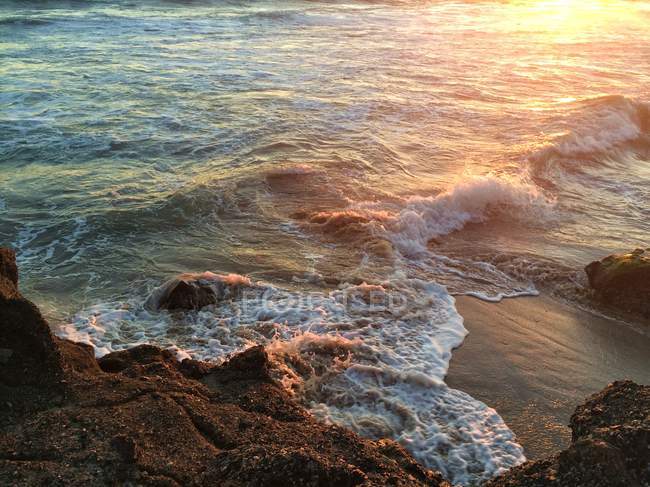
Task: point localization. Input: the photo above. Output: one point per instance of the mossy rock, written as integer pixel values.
(623, 280)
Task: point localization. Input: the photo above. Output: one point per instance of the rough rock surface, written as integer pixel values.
(623, 281)
(610, 445)
(139, 417)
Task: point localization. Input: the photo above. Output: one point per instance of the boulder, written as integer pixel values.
(610, 445)
(8, 267)
(623, 281)
(195, 291)
(251, 364)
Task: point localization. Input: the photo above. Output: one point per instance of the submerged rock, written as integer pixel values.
(610, 445)
(195, 291)
(141, 417)
(623, 281)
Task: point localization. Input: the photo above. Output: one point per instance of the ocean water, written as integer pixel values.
(355, 165)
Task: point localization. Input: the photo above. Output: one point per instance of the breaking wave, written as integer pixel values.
(597, 128)
(470, 201)
(415, 220)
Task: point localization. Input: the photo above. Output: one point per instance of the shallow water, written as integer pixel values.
(313, 147)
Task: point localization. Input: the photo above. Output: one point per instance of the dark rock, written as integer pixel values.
(195, 291)
(139, 417)
(8, 267)
(139, 355)
(610, 447)
(623, 281)
(24, 332)
(79, 356)
(126, 448)
(194, 369)
(189, 295)
(5, 355)
(251, 364)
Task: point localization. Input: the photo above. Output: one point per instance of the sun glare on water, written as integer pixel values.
(572, 15)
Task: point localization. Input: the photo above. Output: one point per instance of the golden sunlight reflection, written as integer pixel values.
(566, 18)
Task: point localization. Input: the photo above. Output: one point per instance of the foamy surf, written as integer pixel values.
(372, 357)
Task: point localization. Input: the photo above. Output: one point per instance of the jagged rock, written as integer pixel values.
(79, 356)
(251, 364)
(139, 417)
(195, 291)
(141, 355)
(623, 281)
(194, 369)
(29, 355)
(610, 446)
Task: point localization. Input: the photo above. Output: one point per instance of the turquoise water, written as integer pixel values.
(481, 146)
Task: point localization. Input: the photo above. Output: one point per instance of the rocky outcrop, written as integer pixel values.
(610, 445)
(141, 417)
(623, 281)
(27, 351)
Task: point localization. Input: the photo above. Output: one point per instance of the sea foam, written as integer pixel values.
(471, 200)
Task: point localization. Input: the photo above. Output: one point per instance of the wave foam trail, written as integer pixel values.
(471, 200)
(372, 357)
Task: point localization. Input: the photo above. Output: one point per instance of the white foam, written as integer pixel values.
(497, 298)
(608, 123)
(62, 247)
(472, 199)
(371, 356)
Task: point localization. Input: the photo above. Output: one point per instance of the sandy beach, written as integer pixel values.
(535, 359)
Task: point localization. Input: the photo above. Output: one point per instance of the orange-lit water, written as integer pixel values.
(487, 146)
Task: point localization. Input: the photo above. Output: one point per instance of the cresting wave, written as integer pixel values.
(402, 229)
(370, 356)
(415, 220)
(472, 200)
(596, 128)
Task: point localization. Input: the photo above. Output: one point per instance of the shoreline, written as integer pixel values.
(534, 358)
(141, 416)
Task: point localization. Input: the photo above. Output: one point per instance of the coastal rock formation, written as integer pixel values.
(195, 291)
(141, 417)
(610, 445)
(27, 352)
(623, 281)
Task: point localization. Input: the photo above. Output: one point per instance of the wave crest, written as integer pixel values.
(471, 200)
(600, 126)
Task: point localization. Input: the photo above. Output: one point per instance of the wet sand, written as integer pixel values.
(535, 359)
